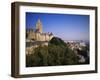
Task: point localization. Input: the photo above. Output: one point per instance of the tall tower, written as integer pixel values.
(39, 26)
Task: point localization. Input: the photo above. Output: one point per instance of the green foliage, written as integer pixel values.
(56, 53)
(57, 41)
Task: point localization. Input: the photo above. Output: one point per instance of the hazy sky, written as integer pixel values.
(65, 26)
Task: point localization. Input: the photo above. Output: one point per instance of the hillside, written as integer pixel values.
(56, 53)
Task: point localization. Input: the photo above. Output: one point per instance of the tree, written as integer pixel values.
(57, 41)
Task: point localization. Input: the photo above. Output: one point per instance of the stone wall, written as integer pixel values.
(39, 36)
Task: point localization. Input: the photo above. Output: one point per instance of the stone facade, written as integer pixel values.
(37, 34)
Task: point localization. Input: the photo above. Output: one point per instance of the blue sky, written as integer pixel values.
(65, 26)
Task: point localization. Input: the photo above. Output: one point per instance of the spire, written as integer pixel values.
(39, 26)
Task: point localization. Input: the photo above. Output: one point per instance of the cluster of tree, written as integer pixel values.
(56, 53)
